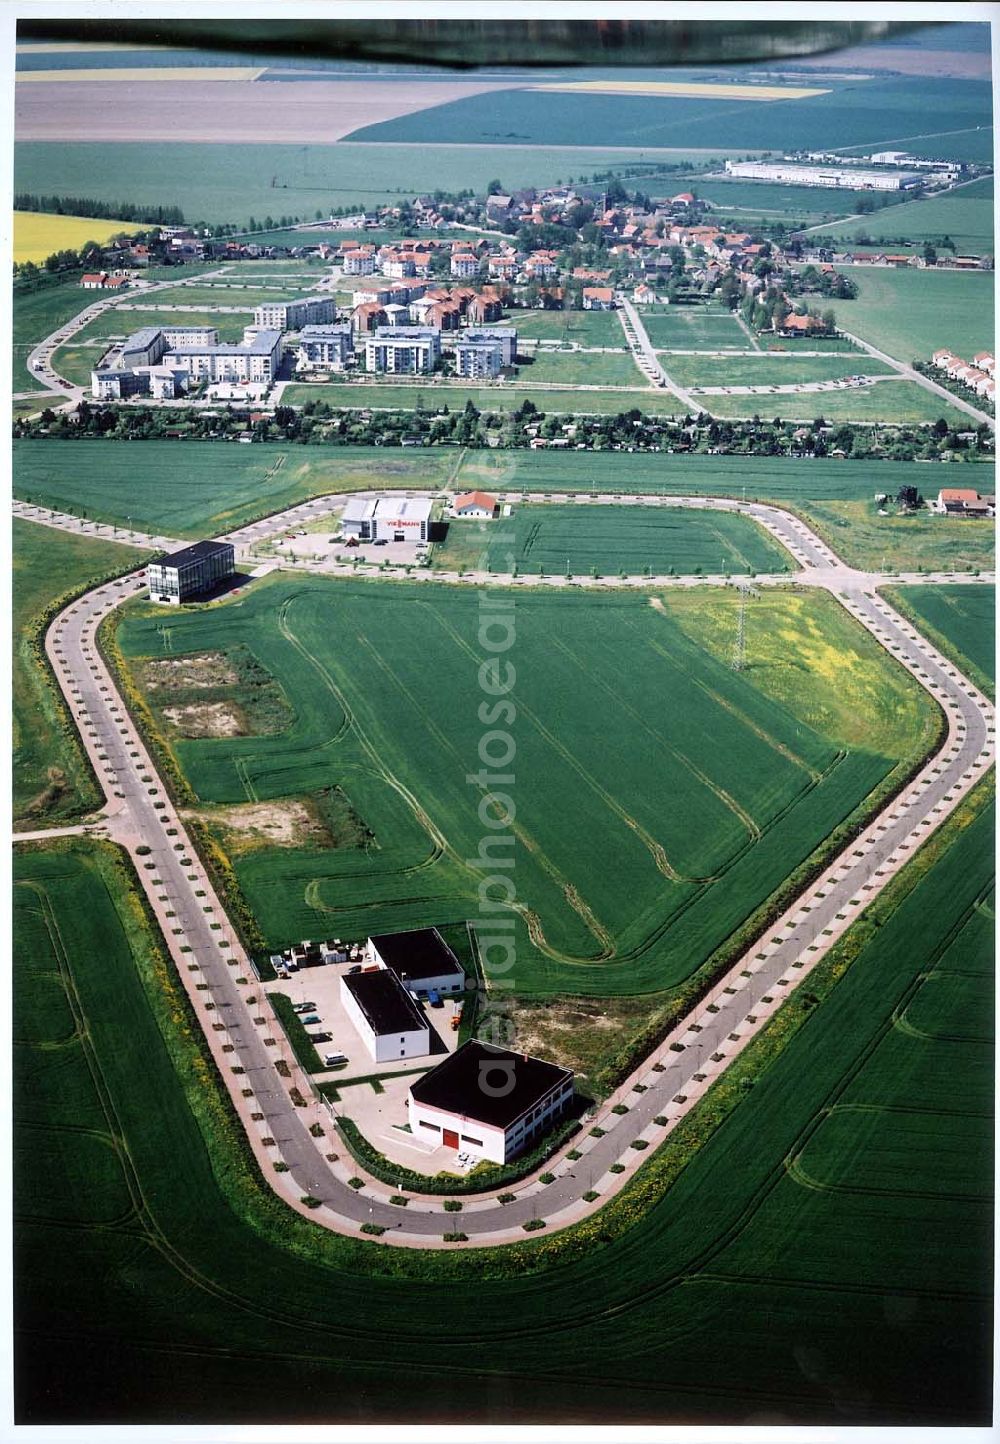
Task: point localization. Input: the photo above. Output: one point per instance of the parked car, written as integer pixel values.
(320, 1037)
(333, 1060)
(434, 998)
(304, 1008)
(355, 969)
(382, 541)
(311, 1018)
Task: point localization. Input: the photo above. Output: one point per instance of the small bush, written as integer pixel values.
(455, 1237)
(143, 850)
(533, 1224)
(617, 1168)
(399, 1200)
(547, 1178)
(452, 1205)
(574, 1154)
(280, 1167)
(309, 1201)
(355, 1183)
(373, 1228)
(506, 1197)
(597, 1132)
(639, 1143)
(619, 1108)
(590, 1195)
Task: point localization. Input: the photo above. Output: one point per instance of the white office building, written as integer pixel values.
(387, 518)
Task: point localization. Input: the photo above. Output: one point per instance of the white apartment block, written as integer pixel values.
(326, 348)
(402, 350)
(293, 315)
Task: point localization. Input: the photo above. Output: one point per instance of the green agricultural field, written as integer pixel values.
(586, 328)
(52, 781)
(137, 1239)
(199, 488)
(960, 621)
(629, 875)
(910, 313)
(783, 369)
(902, 542)
(767, 199)
(233, 182)
(118, 322)
(208, 487)
(36, 315)
(695, 328)
(634, 540)
(878, 112)
(499, 399)
(892, 402)
(582, 368)
(965, 214)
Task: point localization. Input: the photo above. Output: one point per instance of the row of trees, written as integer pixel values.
(317, 422)
(130, 211)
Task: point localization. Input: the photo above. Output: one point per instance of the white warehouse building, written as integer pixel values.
(387, 518)
(388, 1021)
(832, 177)
(490, 1102)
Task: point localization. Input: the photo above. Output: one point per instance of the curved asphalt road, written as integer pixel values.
(248, 1044)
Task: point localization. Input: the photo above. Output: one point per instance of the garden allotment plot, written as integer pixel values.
(651, 818)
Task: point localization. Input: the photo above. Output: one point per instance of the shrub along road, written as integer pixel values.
(276, 1104)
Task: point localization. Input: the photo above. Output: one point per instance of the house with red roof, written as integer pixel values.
(475, 503)
(598, 298)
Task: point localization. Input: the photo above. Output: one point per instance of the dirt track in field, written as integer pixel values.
(318, 112)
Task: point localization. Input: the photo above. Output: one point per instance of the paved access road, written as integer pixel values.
(273, 1099)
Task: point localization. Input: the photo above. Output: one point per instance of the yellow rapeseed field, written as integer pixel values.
(693, 89)
(37, 235)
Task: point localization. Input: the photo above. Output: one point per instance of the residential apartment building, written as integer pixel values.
(403, 350)
(326, 348)
(293, 315)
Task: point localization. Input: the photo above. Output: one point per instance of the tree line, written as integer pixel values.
(129, 211)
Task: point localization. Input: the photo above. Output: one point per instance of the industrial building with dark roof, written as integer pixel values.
(389, 1022)
(420, 958)
(488, 1101)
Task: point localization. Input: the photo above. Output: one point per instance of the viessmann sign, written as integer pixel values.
(400, 522)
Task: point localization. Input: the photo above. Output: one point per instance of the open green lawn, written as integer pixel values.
(910, 313)
(903, 542)
(583, 368)
(119, 322)
(696, 328)
(52, 782)
(960, 620)
(586, 328)
(630, 874)
(263, 270)
(822, 1205)
(36, 315)
(893, 402)
(77, 363)
(497, 398)
(784, 369)
(558, 539)
(232, 292)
